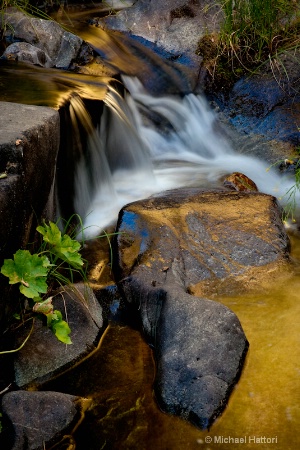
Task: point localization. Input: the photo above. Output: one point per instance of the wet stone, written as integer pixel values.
(174, 253)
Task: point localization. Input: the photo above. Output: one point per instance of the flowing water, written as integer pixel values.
(142, 144)
(146, 144)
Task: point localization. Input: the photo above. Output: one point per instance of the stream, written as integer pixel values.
(162, 142)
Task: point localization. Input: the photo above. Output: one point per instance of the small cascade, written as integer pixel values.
(145, 144)
(93, 171)
(115, 167)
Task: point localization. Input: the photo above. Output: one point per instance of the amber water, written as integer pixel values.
(263, 411)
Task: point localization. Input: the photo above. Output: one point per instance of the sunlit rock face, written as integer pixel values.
(214, 242)
(175, 254)
(239, 182)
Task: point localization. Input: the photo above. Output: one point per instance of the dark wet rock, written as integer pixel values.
(271, 151)
(60, 47)
(112, 303)
(44, 357)
(33, 420)
(200, 349)
(187, 242)
(289, 166)
(268, 102)
(29, 143)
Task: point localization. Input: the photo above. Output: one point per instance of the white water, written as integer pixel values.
(132, 158)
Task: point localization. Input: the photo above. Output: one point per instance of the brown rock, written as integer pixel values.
(225, 242)
(239, 182)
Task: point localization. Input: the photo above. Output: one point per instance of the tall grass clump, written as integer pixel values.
(254, 30)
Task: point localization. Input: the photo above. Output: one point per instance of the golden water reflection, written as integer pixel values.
(35, 85)
(266, 402)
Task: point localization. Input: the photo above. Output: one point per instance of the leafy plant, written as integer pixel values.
(39, 273)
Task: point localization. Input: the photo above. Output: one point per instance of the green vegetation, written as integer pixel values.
(289, 199)
(252, 32)
(290, 207)
(38, 275)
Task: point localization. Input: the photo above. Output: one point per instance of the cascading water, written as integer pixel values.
(145, 144)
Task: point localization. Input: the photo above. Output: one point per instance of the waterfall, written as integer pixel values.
(145, 144)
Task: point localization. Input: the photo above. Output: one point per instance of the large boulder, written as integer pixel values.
(29, 144)
(177, 251)
(224, 242)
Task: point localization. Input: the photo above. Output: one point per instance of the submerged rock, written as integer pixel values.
(36, 419)
(207, 244)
